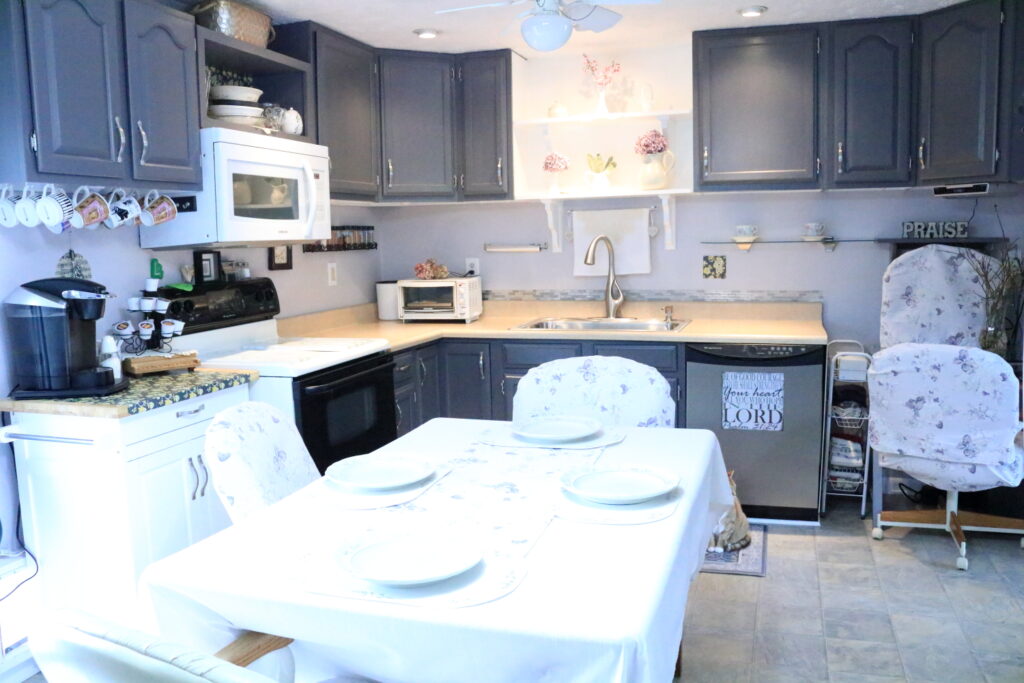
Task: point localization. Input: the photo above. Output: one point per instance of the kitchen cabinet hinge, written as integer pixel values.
(33, 142)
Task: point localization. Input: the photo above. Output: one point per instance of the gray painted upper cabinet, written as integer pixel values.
(871, 102)
(959, 92)
(348, 116)
(485, 124)
(79, 102)
(417, 125)
(163, 94)
(756, 95)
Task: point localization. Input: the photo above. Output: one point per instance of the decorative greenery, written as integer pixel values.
(1002, 281)
(600, 165)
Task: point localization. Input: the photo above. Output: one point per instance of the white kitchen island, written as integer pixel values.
(561, 598)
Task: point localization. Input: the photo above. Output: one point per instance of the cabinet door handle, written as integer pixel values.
(124, 138)
(706, 159)
(194, 411)
(501, 386)
(920, 153)
(482, 375)
(414, 400)
(501, 172)
(455, 182)
(462, 181)
(423, 372)
(192, 466)
(391, 173)
(206, 474)
(839, 157)
(399, 409)
(145, 144)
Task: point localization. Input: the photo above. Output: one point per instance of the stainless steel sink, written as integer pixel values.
(644, 325)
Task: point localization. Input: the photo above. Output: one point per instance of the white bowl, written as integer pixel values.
(235, 92)
(234, 110)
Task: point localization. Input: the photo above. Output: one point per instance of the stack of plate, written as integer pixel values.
(236, 104)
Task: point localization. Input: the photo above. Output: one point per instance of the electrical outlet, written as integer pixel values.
(332, 274)
(473, 265)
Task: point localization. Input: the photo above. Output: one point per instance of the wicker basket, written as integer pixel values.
(236, 20)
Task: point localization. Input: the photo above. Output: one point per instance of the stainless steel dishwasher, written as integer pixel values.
(771, 436)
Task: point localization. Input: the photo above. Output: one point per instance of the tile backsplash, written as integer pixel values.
(653, 295)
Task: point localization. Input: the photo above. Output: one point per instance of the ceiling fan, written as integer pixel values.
(549, 23)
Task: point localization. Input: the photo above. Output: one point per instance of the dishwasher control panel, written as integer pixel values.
(754, 351)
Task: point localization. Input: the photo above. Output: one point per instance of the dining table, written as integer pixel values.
(568, 588)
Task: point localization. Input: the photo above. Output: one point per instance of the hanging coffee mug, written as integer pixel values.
(54, 207)
(25, 208)
(8, 198)
(159, 209)
(123, 212)
(91, 209)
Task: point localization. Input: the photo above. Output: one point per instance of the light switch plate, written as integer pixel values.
(332, 274)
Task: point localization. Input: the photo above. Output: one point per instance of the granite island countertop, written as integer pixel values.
(143, 394)
(710, 322)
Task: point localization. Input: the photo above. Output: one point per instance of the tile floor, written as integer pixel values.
(836, 606)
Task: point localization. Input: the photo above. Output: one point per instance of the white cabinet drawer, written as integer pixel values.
(154, 423)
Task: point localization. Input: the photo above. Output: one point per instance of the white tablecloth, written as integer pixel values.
(599, 602)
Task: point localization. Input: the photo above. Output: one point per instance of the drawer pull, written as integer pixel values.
(194, 411)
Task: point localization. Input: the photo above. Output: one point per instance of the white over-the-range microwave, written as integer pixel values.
(456, 298)
(257, 189)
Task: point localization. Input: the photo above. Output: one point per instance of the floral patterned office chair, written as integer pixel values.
(617, 391)
(256, 457)
(942, 411)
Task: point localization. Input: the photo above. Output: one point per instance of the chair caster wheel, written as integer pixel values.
(877, 533)
(961, 563)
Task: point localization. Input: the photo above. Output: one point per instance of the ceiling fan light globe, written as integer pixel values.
(546, 31)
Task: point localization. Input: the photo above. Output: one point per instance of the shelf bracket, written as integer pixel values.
(668, 220)
(553, 208)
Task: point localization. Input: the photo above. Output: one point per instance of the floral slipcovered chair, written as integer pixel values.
(942, 410)
(617, 391)
(256, 457)
(932, 295)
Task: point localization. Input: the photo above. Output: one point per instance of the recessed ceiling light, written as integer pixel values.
(426, 33)
(752, 11)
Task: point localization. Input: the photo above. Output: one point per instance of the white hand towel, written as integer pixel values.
(626, 228)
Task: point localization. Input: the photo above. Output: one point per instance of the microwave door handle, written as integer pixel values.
(331, 386)
(310, 197)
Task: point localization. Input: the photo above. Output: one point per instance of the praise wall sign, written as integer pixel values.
(935, 230)
(753, 400)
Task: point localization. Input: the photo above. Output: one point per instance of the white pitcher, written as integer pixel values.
(655, 168)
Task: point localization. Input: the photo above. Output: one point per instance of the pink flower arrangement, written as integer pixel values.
(430, 270)
(651, 142)
(556, 163)
(602, 76)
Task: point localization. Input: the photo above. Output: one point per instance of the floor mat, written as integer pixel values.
(749, 561)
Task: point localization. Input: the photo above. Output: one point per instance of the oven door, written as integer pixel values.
(428, 299)
(346, 410)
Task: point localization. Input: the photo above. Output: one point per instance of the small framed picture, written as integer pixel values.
(279, 258)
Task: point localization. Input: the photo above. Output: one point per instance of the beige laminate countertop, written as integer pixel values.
(726, 322)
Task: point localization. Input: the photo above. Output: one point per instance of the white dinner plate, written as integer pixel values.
(378, 473)
(556, 429)
(412, 561)
(235, 92)
(234, 110)
(619, 486)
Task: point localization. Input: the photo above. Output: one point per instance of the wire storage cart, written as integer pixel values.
(847, 405)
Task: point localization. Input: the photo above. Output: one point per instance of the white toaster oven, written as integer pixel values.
(456, 298)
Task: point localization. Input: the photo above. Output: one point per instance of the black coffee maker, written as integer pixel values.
(51, 337)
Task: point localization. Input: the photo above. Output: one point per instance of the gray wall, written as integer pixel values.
(849, 279)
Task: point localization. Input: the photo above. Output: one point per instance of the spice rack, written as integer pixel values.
(345, 238)
(847, 375)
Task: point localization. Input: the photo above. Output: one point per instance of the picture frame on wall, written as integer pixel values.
(279, 258)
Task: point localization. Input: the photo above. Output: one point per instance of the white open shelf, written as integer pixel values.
(601, 118)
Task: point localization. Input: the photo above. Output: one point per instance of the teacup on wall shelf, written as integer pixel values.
(744, 242)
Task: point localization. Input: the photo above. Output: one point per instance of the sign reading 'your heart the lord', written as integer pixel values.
(753, 401)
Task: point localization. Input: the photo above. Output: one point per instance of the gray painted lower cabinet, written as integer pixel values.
(466, 379)
(417, 387)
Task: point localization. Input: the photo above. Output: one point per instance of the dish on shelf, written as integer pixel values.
(254, 121)
(235, 110)
(235, 92)
(237, 103)
(744, 239)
